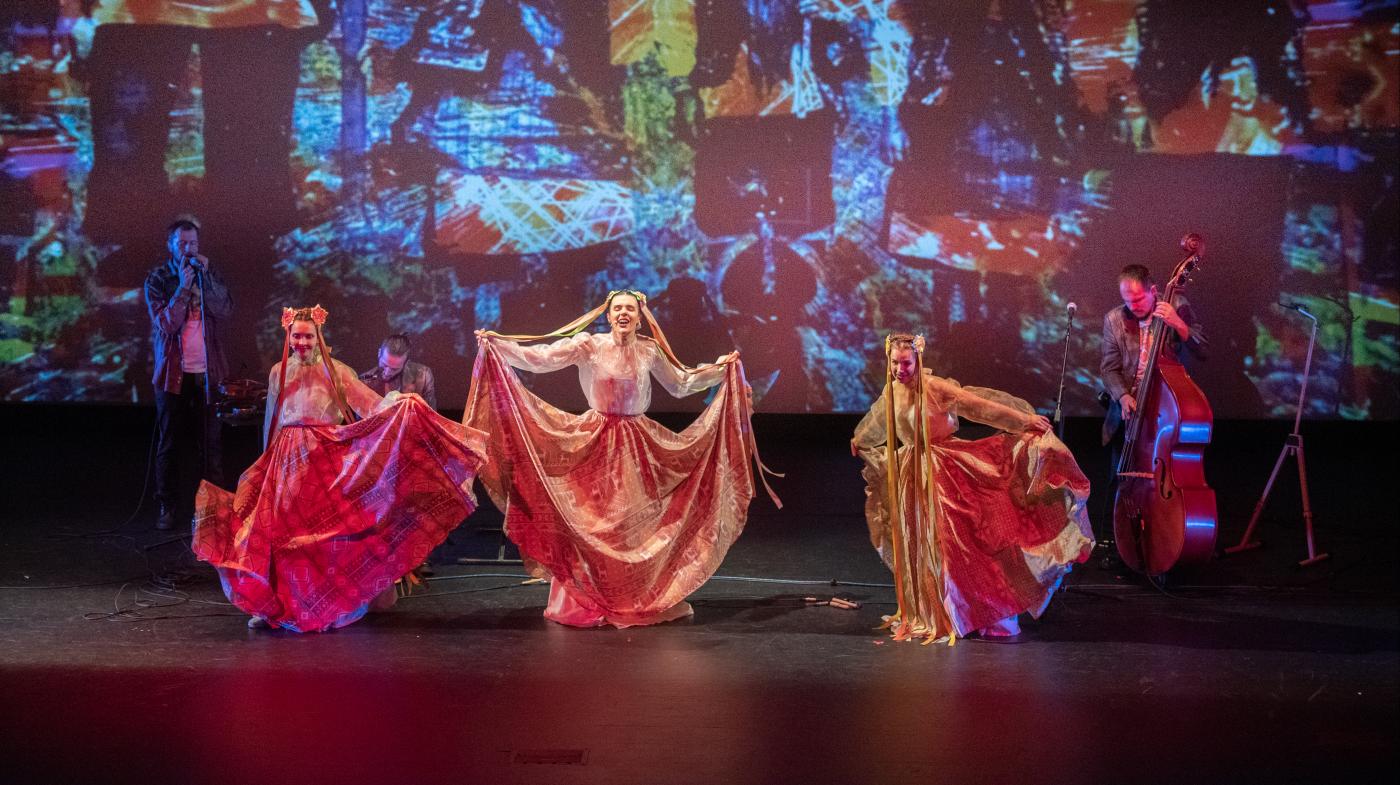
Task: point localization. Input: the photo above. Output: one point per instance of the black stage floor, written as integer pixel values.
(1249, 670)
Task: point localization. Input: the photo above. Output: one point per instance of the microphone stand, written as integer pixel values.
(208, 393)
(203, 326)
(1059, 419)
(1292, 445)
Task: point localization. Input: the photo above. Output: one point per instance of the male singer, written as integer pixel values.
(187, 303)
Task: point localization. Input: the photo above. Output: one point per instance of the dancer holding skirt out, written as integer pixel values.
(976, 532)
(337, 508)
(626, 517)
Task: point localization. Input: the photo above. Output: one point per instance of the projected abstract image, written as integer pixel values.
(792, 178)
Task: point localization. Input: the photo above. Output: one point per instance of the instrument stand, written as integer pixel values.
(1292, 445)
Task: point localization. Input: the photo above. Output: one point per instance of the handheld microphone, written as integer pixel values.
(1291, 306)
(1071, 308)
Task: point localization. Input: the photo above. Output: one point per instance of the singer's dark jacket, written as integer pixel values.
(1120, 349)
(168, 304)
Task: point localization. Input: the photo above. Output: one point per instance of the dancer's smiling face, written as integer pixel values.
(303, 339)
(904, 362)
(623, 314)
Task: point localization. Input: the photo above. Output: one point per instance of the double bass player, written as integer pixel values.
(1124, 354)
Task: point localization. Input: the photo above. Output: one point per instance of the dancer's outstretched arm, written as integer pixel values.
(870, 432)
(540, 358)
(357, 394)
(682, 383)
(974, 407)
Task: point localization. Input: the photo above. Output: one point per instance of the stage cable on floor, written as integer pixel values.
(740, 578)
(69, 585)
(430, 594)
(802, 581)
(156, 597)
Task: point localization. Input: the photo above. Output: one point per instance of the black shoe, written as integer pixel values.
(165, 521)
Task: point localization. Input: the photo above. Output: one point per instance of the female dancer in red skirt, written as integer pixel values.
(350, 494)
(625, 516)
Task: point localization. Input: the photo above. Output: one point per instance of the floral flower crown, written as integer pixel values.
(318, 315)
(916, 341)
(641, 297)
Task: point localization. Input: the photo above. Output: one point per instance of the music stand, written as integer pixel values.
(1292, 445)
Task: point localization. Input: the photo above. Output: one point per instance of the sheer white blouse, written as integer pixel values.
(616, 377)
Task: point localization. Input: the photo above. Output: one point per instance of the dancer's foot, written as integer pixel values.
(1007, 630)
(384, 600)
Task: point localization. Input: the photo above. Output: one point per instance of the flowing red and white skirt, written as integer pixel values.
(626, 516)
(330, 516)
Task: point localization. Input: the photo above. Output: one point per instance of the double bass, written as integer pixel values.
(1164, 513)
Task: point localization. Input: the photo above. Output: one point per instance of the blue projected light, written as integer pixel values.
(1194, 433)
(795, 180)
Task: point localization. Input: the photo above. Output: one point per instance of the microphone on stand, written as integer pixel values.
(1297, 307)
(1058, 419)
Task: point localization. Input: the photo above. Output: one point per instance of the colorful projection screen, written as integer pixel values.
(792, 178)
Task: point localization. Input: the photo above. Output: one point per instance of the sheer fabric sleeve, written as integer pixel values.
(543, 358)
(682, 383)
(358, 395)
(273, 389)
(989, 407)
(870, 432)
